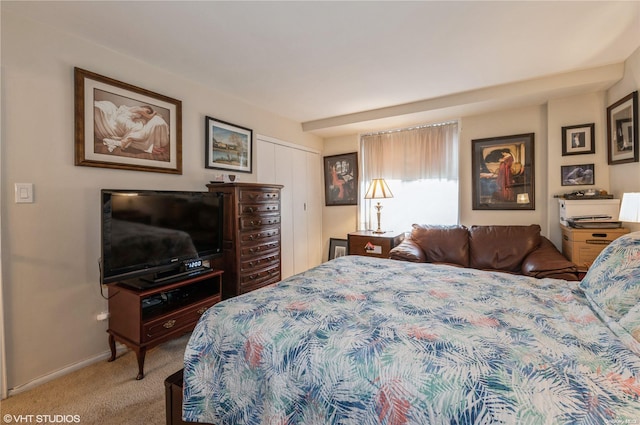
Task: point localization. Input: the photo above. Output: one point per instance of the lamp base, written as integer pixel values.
(378, 232)
(378, 208)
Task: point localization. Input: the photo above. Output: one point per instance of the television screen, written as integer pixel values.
(146, 232)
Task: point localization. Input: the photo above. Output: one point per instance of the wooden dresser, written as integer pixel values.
(251, 237)
(582, 246)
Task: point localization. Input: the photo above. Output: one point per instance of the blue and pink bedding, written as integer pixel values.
(360, 340)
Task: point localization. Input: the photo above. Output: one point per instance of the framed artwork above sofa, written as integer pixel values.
(502, 170)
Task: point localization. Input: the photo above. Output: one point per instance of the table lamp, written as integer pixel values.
(378, 189)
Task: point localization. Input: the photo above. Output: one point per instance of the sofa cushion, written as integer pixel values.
(501, 247)
(443, 244)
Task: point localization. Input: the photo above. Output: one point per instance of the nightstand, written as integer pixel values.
(582, 246)
(371, 244)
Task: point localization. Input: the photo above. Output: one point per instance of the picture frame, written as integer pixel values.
(578, 139)
(148, 136)
(578, 175)
(622, 130)
(228, 146)
(341, 179)
(503, 173)
(338, 248)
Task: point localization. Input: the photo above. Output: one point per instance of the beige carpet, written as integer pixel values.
(105, 392)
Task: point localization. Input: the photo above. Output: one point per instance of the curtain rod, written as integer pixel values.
(417, 127)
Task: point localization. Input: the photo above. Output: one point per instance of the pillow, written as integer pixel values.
(502, 247)
(612, 284)
(443, 244)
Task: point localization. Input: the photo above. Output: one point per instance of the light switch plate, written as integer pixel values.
(24, 193)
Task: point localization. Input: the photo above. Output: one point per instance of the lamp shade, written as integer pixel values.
(378, 189)
(630, 208)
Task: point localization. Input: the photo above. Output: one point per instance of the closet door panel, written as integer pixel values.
(299, 211)
(266, 162)
(314, 191)
(300, 172)
(284, 175)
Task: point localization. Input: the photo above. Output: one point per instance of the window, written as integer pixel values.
(420, 165)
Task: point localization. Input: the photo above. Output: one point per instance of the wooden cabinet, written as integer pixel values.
(142, 318)
(251, 250)
(373, 244)
(582, 246)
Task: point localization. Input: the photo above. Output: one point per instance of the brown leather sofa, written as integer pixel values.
(513, 249)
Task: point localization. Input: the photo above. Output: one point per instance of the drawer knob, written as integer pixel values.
(168, 324)
(201, 310)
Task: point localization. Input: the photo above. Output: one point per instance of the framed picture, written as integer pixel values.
(622, 130)
(503, 173)
(118, 125)
(578, 139)
(341, 179)
(337, 248)
(228, 146)
(577, 175)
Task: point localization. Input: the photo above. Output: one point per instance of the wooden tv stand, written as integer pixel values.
(143, 318)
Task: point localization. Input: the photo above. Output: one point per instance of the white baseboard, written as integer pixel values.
(66, 370)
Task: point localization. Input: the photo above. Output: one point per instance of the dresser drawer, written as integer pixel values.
(594, 236)
(255, 221)
(257, 262)
(262, 248)
(181, 320)
(259, 278)
(249, 196)
(267, 207)
(259, 235)
(275, 278)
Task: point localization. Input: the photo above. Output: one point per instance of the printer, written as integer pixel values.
(590, 213)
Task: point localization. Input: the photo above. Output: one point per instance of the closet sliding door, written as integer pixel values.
(299, 171)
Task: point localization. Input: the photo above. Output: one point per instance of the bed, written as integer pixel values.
(360, 340)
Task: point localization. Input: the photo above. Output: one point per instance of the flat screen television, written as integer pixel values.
(155, 235)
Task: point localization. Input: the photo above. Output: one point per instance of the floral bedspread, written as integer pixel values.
(360, 341)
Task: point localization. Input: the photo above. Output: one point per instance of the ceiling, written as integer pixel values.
(342, 67)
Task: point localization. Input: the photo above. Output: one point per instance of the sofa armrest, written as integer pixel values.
(547, 261)
(408, 250)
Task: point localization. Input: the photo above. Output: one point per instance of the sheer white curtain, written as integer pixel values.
(420, 165)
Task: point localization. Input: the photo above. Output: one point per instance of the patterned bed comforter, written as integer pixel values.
(360, 341)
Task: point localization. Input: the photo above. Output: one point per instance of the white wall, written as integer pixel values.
(51, 247)
(626, 177)
(338, 220)
(546, 122)
(496, 124)
(576, 110)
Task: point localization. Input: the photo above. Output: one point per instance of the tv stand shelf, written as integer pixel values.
(144, 318)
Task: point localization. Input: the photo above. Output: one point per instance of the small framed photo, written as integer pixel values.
(578, 175)
(341, 179)
(337, 248)
(228, 146)
(118, 125)
(622, 130)
(578, 139)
